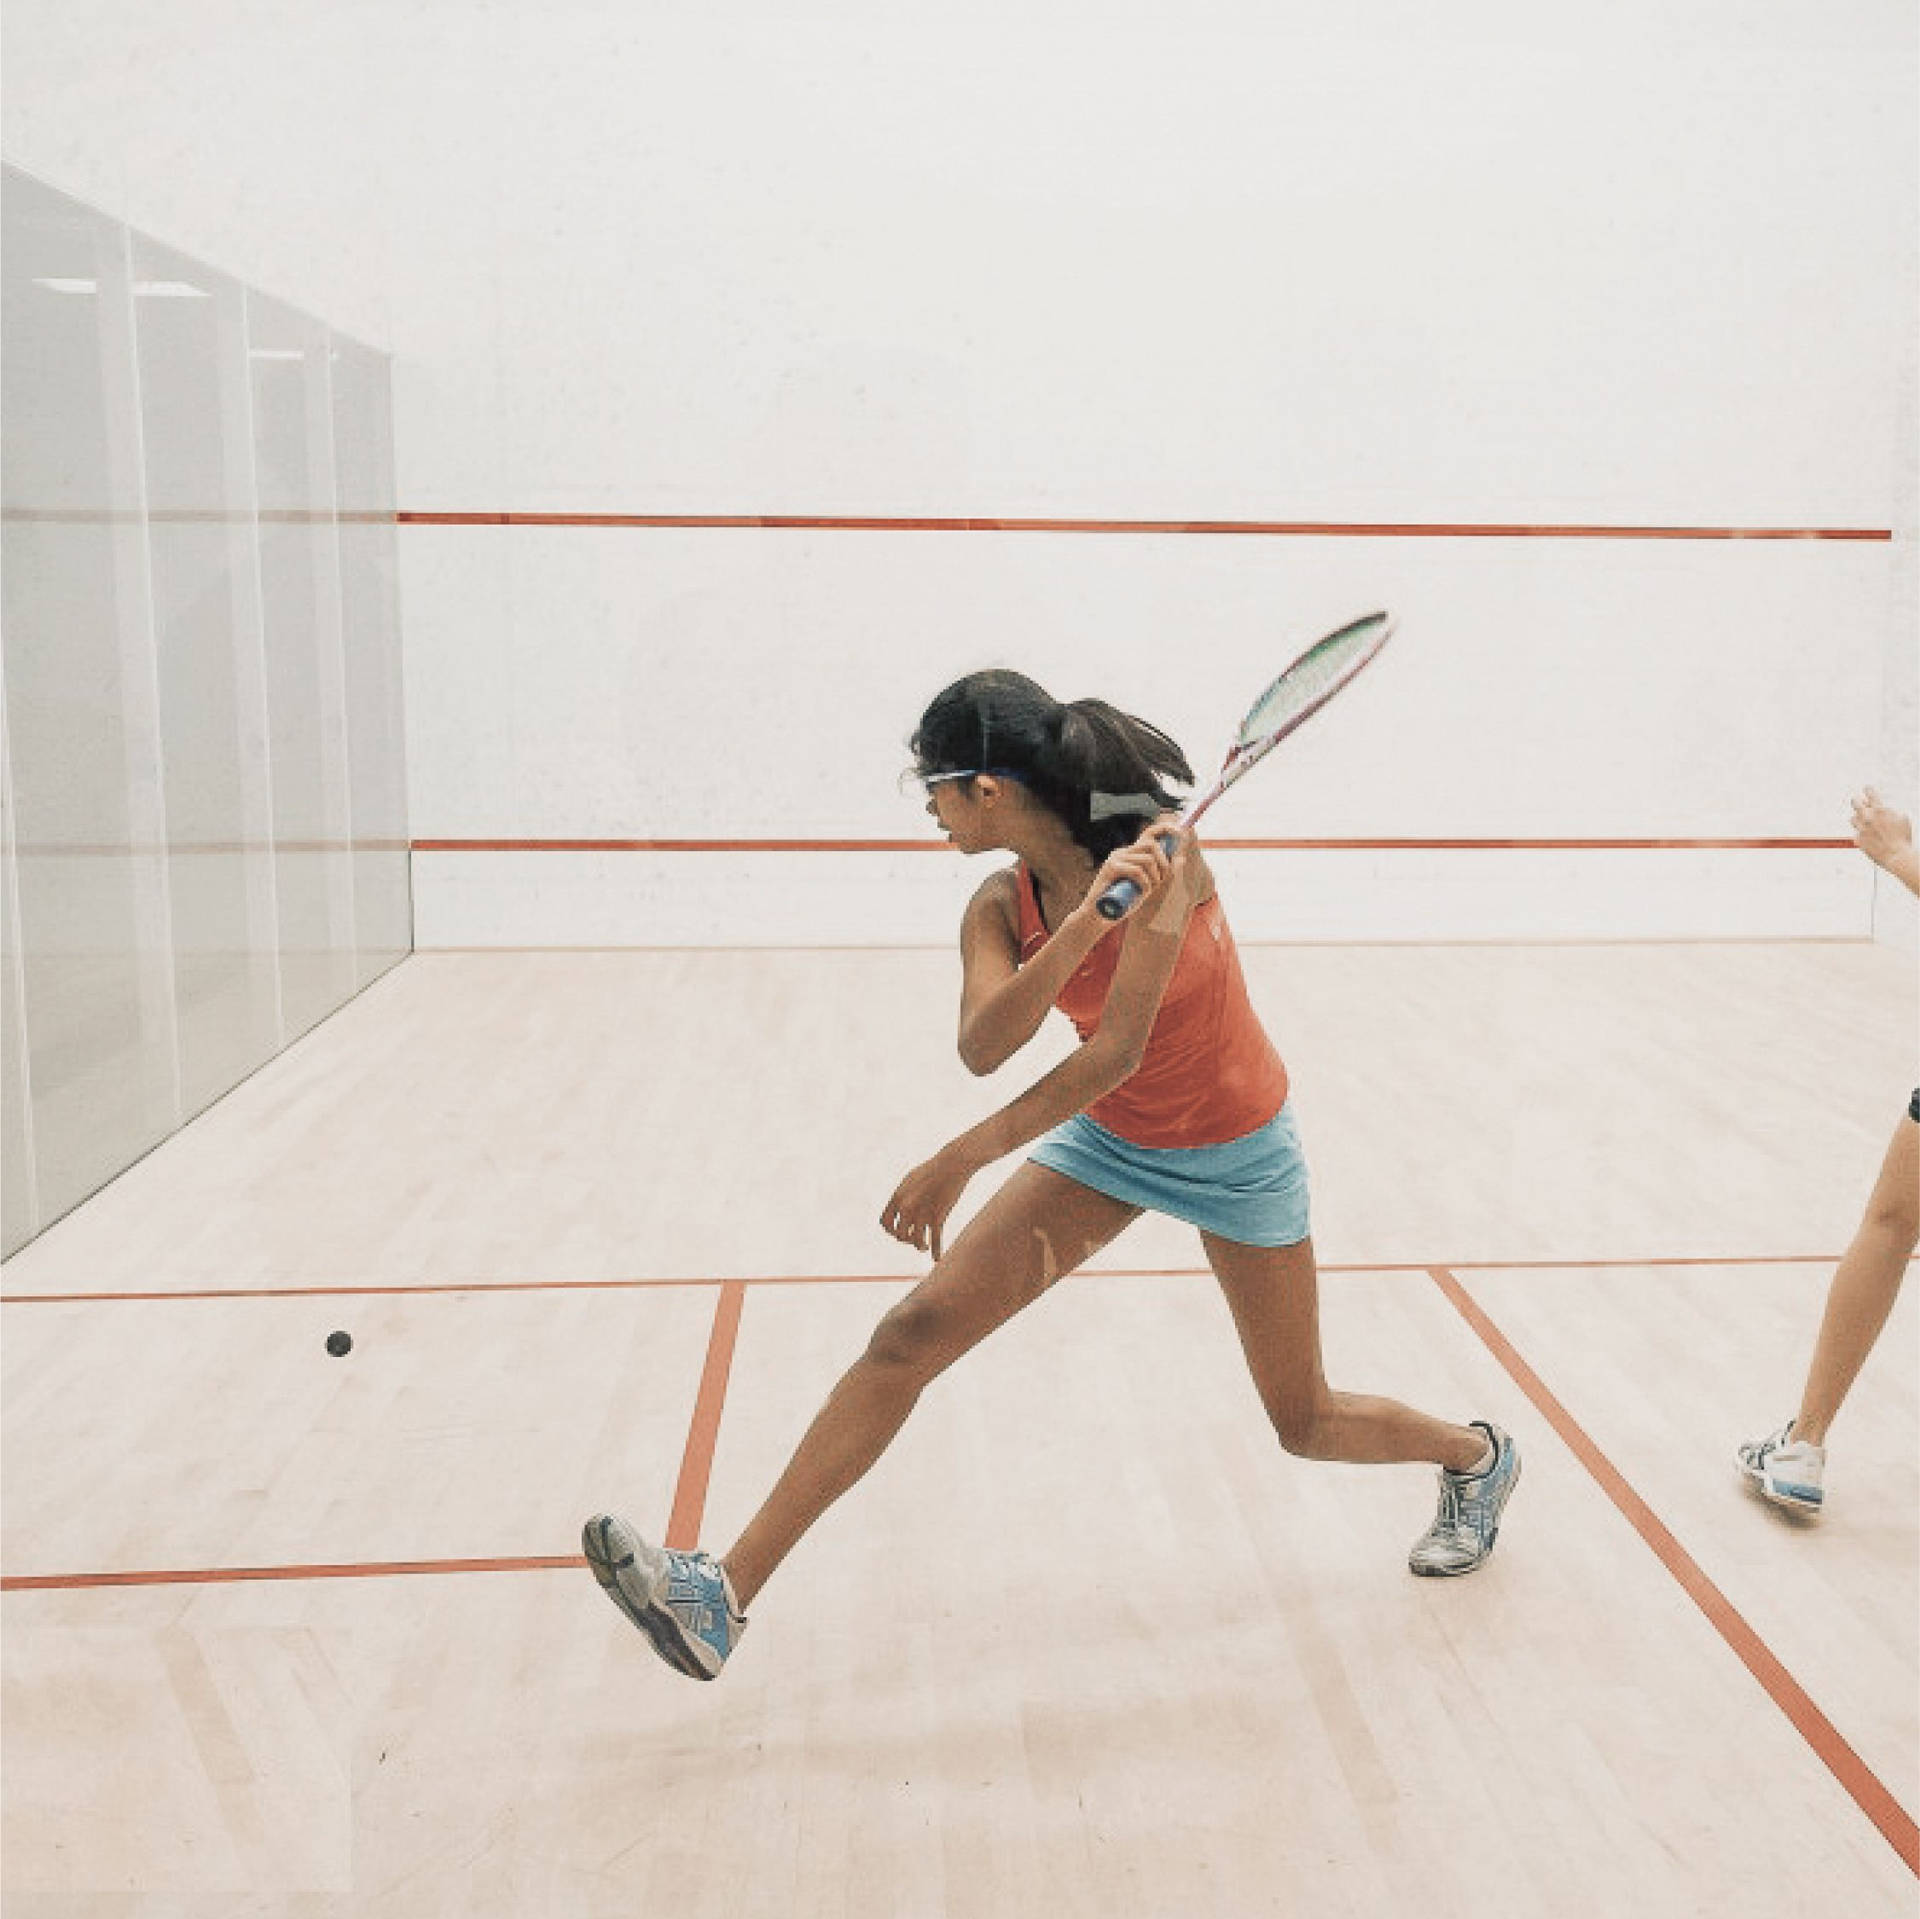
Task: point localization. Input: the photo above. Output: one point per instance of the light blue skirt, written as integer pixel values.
(1252, 1190)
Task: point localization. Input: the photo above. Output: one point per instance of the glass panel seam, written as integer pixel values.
(140, 665)
(259, 674)
(16, 980)
(344, 889)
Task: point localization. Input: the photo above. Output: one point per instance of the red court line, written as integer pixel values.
(1864, 1786)
(1319, 529)
(683, 1526)
(1214, 845)
(696, 1464)
(883, 1279)
(227, 1575)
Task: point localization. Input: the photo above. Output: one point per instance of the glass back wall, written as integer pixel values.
(205, 848)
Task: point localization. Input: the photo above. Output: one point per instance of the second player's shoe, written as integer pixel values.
(1790, 1472)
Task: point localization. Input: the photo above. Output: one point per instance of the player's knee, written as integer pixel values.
(913, 1337)
(1895, 1212)
(1301, 1429)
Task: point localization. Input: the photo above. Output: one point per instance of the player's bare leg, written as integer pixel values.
(1274, 1296)
(1034, 1231)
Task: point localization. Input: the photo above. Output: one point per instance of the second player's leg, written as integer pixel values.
(1035, 1230)
(1865, 1285)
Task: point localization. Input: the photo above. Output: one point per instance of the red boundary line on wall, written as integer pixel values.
(1313, 529)
(263, 847)
(743, 1280)
(1213, 845)
(1862, 1784)
(878, 523)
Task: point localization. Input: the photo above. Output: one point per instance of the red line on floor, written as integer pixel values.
(227, 1575)
(696, 1464)
(1863, 1785)
(1317, 529)
(883, 1279)
(683, 1525)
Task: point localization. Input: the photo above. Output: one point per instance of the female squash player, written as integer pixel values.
(1175, 1100)
(1789, 1467)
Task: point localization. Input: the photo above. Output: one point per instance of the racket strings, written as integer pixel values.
(1310, 679)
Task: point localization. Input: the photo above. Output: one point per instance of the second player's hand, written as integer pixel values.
(1879, 832)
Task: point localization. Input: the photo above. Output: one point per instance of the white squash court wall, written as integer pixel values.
(1639, 265)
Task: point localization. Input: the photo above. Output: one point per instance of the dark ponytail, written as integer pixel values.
(1103, 772)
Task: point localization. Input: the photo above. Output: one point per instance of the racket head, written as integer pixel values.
(1329, 664)
(1312, 680)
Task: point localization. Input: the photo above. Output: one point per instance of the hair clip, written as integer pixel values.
(1110, 806)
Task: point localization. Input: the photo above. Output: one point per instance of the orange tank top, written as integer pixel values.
(1210, 1073)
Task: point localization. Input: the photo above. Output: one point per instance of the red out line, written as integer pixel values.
(402, 1290)
(696, 1464)
(1215, 845)
(1318, 529)
(873, 523)
(227, 1575)
(1862, 1784)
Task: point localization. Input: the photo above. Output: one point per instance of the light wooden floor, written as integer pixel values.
(1087, 1642)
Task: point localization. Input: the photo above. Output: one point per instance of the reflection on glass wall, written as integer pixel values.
(196, 441)
(299, 546)
(204, 847)
(370, 625)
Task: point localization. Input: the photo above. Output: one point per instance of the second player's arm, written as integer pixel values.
(1886, 837)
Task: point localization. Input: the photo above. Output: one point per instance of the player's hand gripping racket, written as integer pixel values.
(1300, 692)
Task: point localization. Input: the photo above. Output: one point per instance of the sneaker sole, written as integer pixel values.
(1791, 1502)
(1493, 1539)
(1756, 1483)
(608, 1557)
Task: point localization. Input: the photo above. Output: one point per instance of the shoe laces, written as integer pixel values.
(1451, 1516)
(694, 1573)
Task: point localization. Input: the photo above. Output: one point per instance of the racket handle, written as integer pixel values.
(1123, 896)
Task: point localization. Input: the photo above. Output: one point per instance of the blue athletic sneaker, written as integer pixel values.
(681, 1601)
(1790, 1472)
(1468, 1520)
